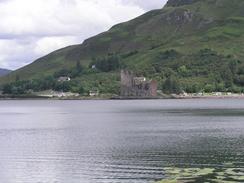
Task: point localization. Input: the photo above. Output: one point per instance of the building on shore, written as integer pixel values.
(93, 93)
(63, 79)
(133, 86)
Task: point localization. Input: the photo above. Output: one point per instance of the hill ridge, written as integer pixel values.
(4, 72)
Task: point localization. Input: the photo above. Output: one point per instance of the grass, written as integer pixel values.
(196, 175)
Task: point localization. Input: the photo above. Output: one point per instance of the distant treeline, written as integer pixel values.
(103, 64)
(47, 83)
(204, 71)
(109, 63)
(36, 85)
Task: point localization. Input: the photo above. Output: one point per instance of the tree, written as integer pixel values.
(107, 64)
(233, 65)
(228, 79)
(62, 86)
(220, 87)
(7, 89)
(62, 72)
(77, 70)
(171, 85)
(78, 67)
(192, 88)
(81, 90)
(183, 71)
(17, 78)
(209, 88)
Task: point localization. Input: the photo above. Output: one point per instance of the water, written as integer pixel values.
(116, 141)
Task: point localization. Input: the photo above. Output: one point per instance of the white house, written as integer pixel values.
(63, 79)
(93, 67)
(93, 93)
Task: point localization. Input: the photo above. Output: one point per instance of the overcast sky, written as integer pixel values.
(30, 29)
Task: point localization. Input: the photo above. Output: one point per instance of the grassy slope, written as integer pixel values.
(214, 24)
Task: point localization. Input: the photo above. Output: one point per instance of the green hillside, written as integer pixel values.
(194, 44)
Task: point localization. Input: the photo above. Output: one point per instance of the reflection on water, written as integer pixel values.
(117, 141)
(207, 112)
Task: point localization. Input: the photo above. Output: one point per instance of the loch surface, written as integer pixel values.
(132, 141)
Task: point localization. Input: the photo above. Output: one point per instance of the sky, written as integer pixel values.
(30, 29)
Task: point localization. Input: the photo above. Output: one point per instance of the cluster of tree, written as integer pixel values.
(171, 85)
(109, 63)
(205, 70)
(106, 64)
(47, 83)
(73, 72)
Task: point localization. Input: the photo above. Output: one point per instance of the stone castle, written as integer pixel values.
(133, 86)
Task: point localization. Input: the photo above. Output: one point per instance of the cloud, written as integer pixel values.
(33, 28)
(44, 45)
(15, 53)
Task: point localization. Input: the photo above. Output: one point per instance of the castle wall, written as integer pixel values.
(130, 88)
(153, 88)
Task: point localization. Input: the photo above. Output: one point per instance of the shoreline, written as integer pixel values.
(166, 97)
